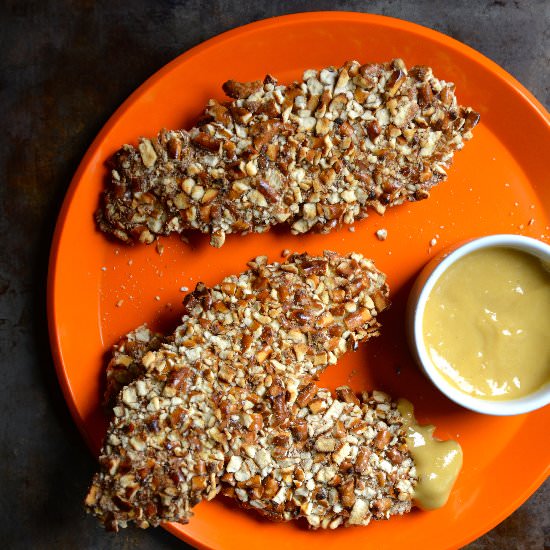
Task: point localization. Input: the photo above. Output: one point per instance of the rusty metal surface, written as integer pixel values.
(66, 66)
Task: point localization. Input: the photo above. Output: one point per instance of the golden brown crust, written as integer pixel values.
(315, 154)
(229, 403)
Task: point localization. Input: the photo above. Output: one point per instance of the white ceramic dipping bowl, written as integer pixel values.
(415, 317)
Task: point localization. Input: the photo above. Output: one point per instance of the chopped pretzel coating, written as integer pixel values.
(314, 154)
(228, 403)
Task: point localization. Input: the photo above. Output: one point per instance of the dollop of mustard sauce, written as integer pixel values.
(437, 462)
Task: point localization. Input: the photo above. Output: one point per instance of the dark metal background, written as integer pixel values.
(65, 67)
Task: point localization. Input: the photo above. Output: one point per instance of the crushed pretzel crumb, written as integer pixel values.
(382, 234)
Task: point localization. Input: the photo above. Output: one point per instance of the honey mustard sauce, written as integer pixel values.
(487, 324)
(437, 462)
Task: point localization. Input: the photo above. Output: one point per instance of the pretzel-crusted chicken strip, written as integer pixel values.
(233, 385)
(315, 154)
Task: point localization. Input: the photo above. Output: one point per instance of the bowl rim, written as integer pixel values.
(417, 305)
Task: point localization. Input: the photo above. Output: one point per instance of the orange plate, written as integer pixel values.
(99, 289)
